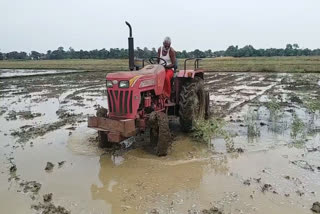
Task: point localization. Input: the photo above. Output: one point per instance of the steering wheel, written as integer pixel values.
(154, 60)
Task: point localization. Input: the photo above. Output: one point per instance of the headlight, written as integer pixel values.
(109, 84)
(146, 83)
(124, 84)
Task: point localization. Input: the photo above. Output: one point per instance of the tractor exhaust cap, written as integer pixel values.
(130, 48)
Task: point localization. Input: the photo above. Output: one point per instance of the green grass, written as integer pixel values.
(74, 64)
(264, 64)
(274, 108)
(227, 64)
(312, 105)
(298, 133)
(251, 119)
(297, 127)
(205, 130)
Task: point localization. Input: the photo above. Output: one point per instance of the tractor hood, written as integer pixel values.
(151, 77)
(149, 71)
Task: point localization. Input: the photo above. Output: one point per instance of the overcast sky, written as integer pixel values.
(41, 25)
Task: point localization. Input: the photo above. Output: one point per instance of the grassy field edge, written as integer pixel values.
(223, 64)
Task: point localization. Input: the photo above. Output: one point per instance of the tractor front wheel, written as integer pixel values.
(192, 104)
(160, 135)
(103, 136)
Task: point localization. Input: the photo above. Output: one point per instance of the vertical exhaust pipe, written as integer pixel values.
(130, 48)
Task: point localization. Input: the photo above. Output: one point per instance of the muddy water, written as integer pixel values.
(13, 73)
(272, 117)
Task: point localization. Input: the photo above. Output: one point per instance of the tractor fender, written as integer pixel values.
(190, 73)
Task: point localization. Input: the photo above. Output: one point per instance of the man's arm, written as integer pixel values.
(172, 55)
(159, 49)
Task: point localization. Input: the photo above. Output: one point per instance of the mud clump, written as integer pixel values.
(247, 182)
(61, 163)
(296, 99)
(49, 166)
(47, 207)
(50, 208)
(266, 187)
(236, 150)
(263, 124)
(212, 210)
(2, 112)
(315, 149)
(13, 169)
(303, 164)
(30, 186)
(299, 193)
(27, 115)
(239, 150)
(316, 207)
(154, 211)
(101, 112)
(258, 180)
(77, 98)
(12, 115)
(13, 175)
(26, 133)
(63, 114)
(47, 197)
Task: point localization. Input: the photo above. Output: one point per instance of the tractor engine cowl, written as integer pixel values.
(127, 90)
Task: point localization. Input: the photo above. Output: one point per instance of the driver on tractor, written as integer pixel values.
(168, 54)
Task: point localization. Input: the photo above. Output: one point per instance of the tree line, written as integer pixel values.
(116, 53)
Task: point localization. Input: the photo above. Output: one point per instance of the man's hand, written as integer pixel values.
(169, 66)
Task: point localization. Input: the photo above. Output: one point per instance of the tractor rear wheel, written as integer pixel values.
(103, 136)
(160, 135)
(192, 104)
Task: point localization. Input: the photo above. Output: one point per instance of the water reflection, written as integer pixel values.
(133, 182)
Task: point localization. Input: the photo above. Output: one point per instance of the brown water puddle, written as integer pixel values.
(273, 175)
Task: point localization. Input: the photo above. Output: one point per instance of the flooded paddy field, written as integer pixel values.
(50, 161)
(14, 73)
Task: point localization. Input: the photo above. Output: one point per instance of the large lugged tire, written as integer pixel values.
(160, 135)
(208, 112)
(102, 136)
(192, 103)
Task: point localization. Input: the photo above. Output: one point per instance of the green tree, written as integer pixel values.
(289, 50)
(198, 54)
(35, 55)
(232, 51)
(295, 46)
(17, 55)
(208, 53)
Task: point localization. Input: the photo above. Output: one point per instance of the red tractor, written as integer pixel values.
(136, 102)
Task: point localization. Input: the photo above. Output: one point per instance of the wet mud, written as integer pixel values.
(51, 162)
